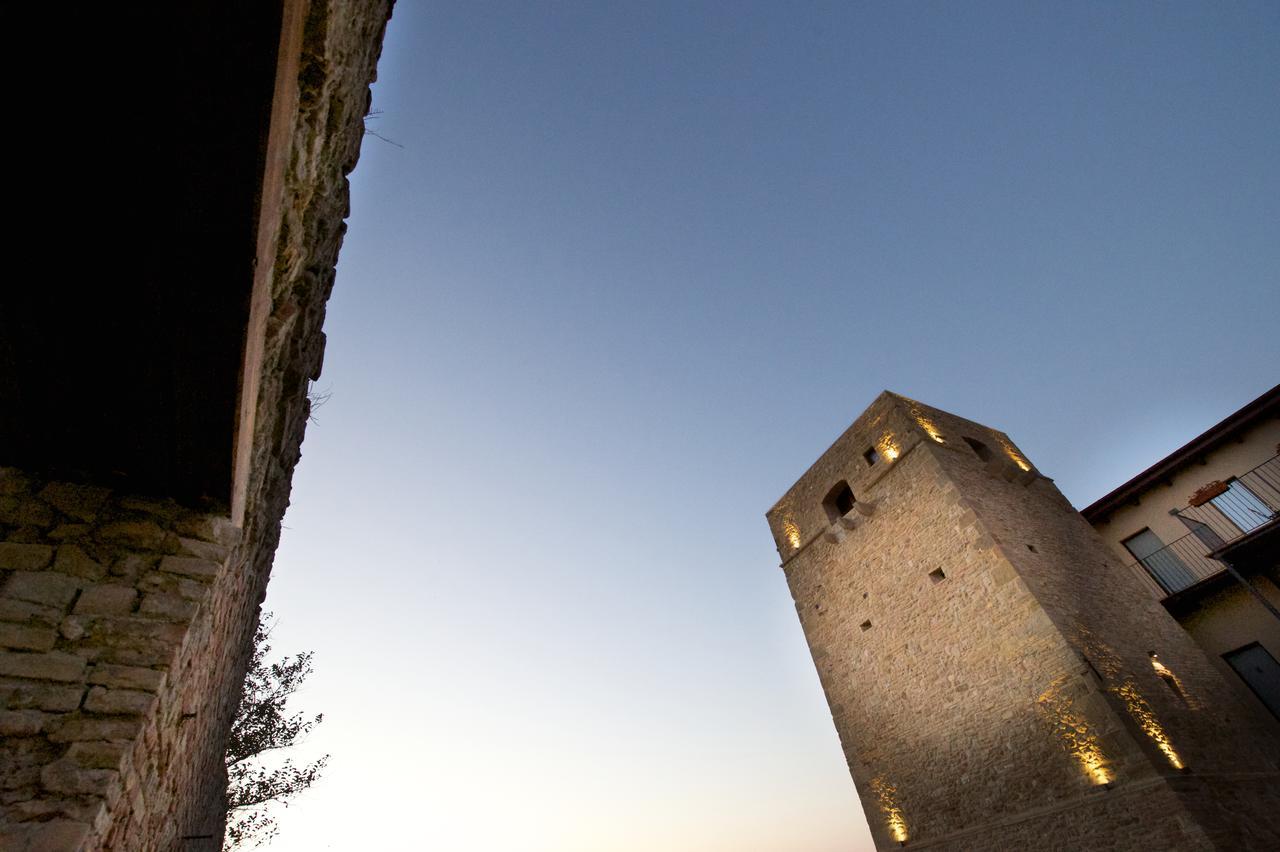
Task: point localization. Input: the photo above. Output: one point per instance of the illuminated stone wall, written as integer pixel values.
(987, 661)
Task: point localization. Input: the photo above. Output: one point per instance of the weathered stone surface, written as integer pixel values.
(26, 612)
(68, 776)
(106, 600)
(42, 587)
(52, 836)
(189, 566)
(52, 697)
(140, 535)
(24, 557)
(117, 701)
(54, 665)
(72, 560)
(127, 677)
(28, 638)
(21, 723)
(98, 755)
(75, 727)
(81, 502)
(172, 607)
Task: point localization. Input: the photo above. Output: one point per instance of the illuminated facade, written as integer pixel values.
(1179, 524)
(997, 678)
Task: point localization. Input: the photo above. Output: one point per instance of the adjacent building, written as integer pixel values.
(1201, 529)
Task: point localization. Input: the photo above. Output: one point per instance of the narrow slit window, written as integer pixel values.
(871, 456)
(866, 625)
(937, 575)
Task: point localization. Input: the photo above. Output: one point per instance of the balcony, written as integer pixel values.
(1228, 521)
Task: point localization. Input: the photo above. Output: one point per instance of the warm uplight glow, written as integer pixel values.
(792, 532)
(1175, 683)
(887, 796)
(1142, 713)
(887, 447)
(1073, 732)
(927, 425)
(1014, 454)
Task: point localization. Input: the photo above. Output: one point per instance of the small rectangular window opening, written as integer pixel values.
(866, 625)
(871, 456)
(937, 575)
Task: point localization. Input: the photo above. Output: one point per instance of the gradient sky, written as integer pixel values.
(632, 271)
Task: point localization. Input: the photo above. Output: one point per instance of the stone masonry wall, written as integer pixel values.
(106, 604)
(126, 623)
(975, 708)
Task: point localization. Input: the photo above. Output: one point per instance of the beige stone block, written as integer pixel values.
(21, 723)
(106, 599)
(53, 665)
(144, 535)
(42, 587)
(98, 755)
(27, 637)
(67, 776)
(79, 501)
(118, 701)
(24, 557)
(76, 727)
(51, 697)
(173, 607)
(73, 560)
(52, 836)
(190, 566)
(212, 551)
(127, 677)
(26, 612)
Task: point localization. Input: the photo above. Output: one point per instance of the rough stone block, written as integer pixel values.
(75, 727)
(67, 776)
(98, 755)
(144, 535)
(73, 560)
(26, 612)
(24, 557)
(53, 836)
(79, 501)
(190, 566)
(172, 607)
(21, 723)
(118, 701)
(42, 587)
(27, 637)
(53, 665)
(127, 677)
(55, 698)
(106, 600)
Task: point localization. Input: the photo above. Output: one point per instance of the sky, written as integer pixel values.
(627, 270)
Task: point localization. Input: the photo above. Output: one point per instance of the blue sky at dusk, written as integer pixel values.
(632, 271)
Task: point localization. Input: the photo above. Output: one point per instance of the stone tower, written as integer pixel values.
(998, 681)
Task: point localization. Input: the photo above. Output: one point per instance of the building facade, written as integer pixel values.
(997, 676)
(1201, 529)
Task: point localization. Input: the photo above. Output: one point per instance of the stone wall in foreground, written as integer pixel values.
(126, 622)
(111, 668)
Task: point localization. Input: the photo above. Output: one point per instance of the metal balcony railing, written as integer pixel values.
(1177, 566)
(1248, 501)
(1245, 504)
